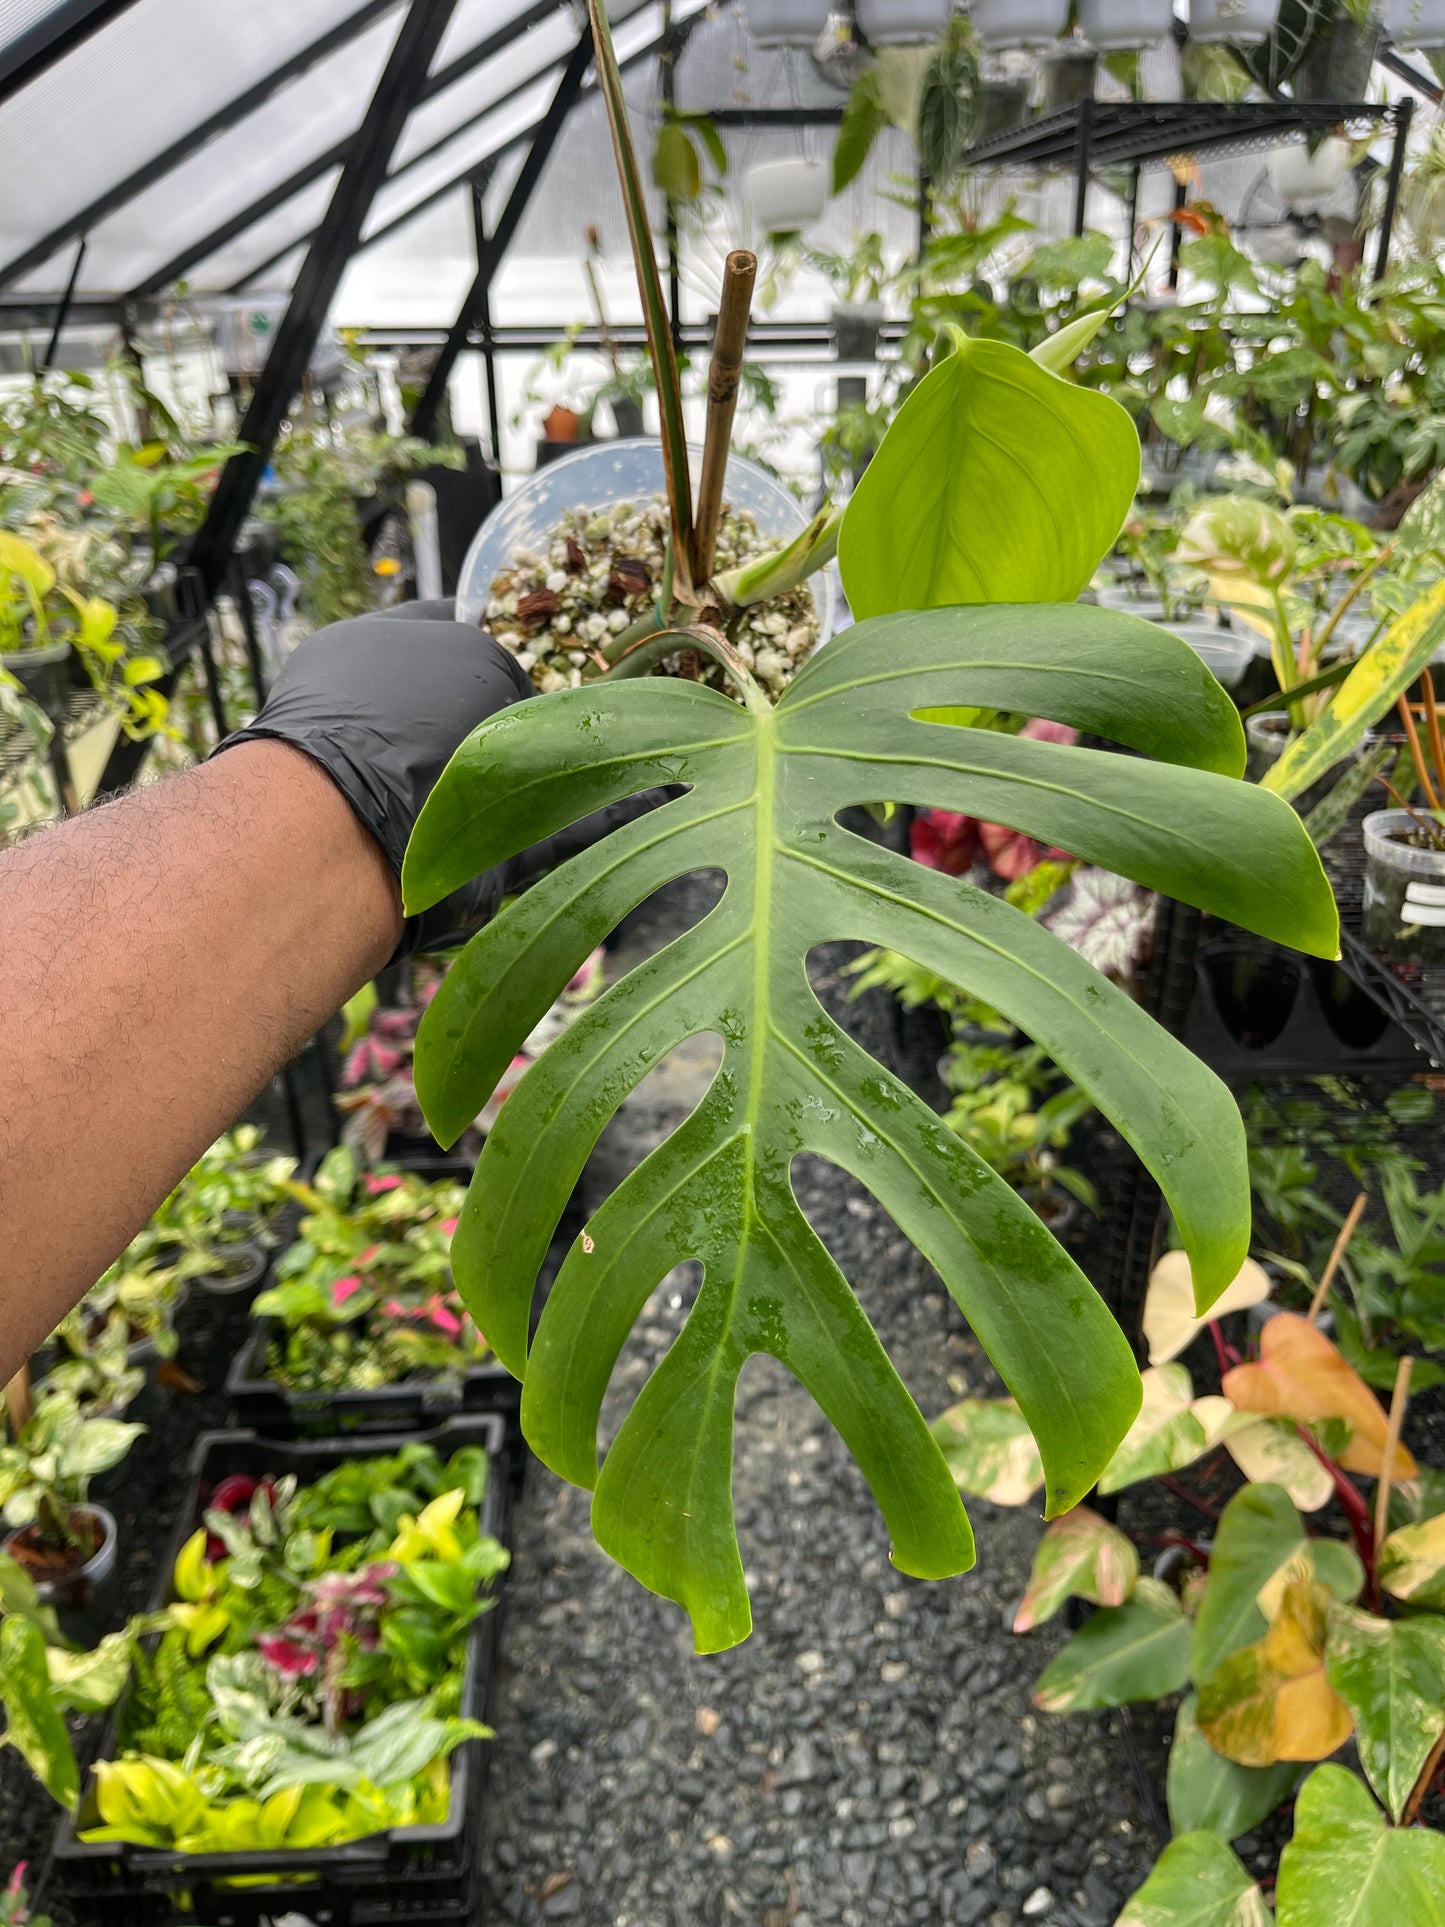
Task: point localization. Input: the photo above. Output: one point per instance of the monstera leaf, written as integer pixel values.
(764, 789)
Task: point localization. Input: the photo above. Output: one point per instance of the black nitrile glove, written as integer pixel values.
(381, 702)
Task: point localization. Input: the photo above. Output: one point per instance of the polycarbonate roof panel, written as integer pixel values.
(125, 95)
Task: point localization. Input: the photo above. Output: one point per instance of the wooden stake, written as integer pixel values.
(1347, 1231)
(1398, 1401)
(18, 1404)
(739, 273)
(1432, 724)
(1417, 755)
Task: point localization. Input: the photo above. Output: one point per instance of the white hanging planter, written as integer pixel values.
(1415, 23)
(1238, 23)
(1300, 178)
(1116, 26)
(786, 23)
(892, 23)
(786, 195)
(1019, 23)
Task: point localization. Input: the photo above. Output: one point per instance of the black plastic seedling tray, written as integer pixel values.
(418, 1875)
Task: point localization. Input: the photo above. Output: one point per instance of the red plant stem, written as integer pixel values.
(1226, 1354)
(1179, 1539)
(1352, 1504)
(1183, 1492)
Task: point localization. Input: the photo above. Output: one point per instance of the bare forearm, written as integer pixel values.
(159, 959)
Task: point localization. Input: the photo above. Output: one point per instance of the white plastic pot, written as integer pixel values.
(894, 23)
(1300, 178)
(786, 195)
(1019, 23)
(1415, 23)
(1239, 23)
(786, 23)
(1115, 26)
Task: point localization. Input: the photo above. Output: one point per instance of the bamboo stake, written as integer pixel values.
(589, 269)
(1347, 1231)
(1398, 1401)
(18, 1405)
(739, 272)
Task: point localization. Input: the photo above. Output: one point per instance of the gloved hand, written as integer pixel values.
(381, 702)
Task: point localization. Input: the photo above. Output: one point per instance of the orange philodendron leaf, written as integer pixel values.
(1273, 1701)
(1079, 1556)
(1302, 1375)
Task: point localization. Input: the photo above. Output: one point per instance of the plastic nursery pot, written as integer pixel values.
(78, 1589)
(44, 674)
(1267, 736)
(1415, 23)
(786, 23)
(784, 196)
(1224, 654)
(1057, 1209)
(1254, 987)
(242, 1265)
(1351, 1013)
(1003, 105)
(610, 472)
(1019, 23)
(1069, 75)
(1114, 26)
(855, 326)
(627, 418)
(1404, 888)
(1338, 60)
(1239, 23)
(890, 23)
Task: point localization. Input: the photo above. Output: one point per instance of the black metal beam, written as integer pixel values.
(334, 156)
(484, 317)
(1404, 112)
(781, 117)
(180, 150)
(63, 309)
(396, 94)
(461, 180)
(1412, 77)
(425, 414)
(59, 32)
(254, 273)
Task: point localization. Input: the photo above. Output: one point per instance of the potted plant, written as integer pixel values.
(1239, 23)
(889, 23)
(1000, 24)
(138, 1295)
(1070, 68)
(63, 1541)
(858, 279)
(35, 635)
(1339, 58)
(1117, 26)
(314, 1673)
(786, 23)
(930, 95)
(102, 1379)
(998, 479)
(222, 1214)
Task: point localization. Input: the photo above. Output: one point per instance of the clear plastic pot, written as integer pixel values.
(81, 1597)
(1224, 654)
(1114, 26)
(1404, 889)
(609, 472)
(1240, 23)
(1019, 23)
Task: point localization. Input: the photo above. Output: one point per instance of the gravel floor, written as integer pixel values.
(870, 1754)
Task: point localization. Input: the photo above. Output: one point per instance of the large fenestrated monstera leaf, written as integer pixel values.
(765, 787)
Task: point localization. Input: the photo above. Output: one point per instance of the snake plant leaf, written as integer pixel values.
(998, 481)
(1391, 1675)
(765, 789)
(1383, 673)
(649, 281)
(1137, 1651)
(1208, 1792)
(1197, 1882)
(1080, 1556)
(1346, 1868)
